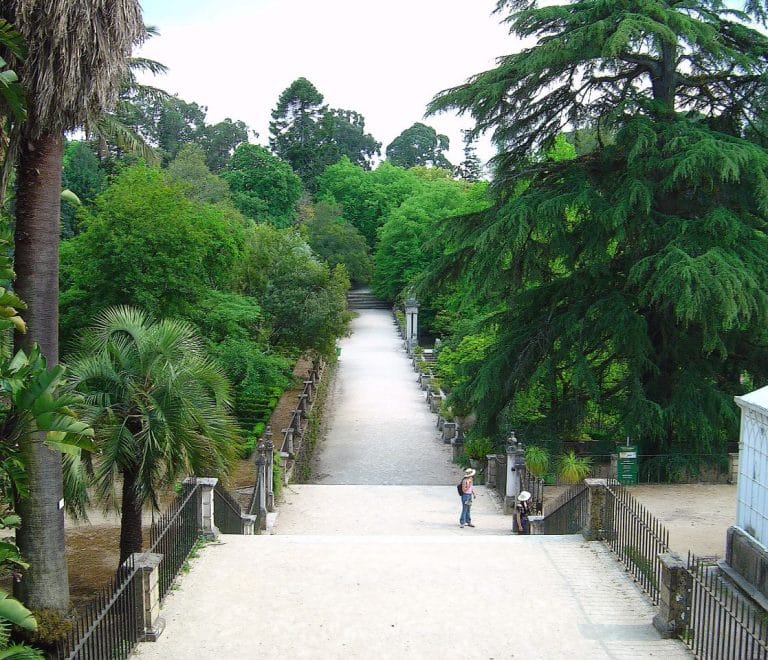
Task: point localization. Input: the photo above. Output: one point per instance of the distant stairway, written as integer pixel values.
(364, 299)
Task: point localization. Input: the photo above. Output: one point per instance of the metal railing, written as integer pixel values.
(109, 626)
(722, 624)
(227, 514)
(535, 486)
(636, 536)
(565, 514)
(175, 534)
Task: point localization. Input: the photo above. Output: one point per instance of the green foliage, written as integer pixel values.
(257, 376)
(146, 244)
(419, 145)
(11, 92)
(405, 249)
(84, 176)
(160, 406)
(263, 186)
(277, 476)
(572, 469)
(309, 136)
(478, 447)
(336, 242)
(366, 197)
(303, 300)
(189, 170)
(630, 280)
(536, 460)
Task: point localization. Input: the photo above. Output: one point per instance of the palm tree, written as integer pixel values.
(160, 406)
(77, 50)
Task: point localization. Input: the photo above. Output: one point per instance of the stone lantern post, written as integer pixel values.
(411, 324)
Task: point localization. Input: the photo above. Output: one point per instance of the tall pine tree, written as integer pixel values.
(635, 275)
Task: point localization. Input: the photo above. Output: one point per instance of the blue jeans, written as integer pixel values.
(466, 518)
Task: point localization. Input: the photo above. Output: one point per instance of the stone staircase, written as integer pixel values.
(364, 299)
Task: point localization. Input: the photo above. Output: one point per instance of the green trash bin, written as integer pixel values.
(627, 465)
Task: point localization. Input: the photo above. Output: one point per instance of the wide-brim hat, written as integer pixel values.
(524, 496)
(469, 472)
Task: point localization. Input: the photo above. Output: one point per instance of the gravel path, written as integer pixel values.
(379, 428)
(369, 561)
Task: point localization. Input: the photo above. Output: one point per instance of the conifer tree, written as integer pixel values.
(635, 275)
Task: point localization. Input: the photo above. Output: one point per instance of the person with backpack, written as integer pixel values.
(467, 493)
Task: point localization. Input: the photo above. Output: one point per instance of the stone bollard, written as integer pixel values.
(148, 595)
(449, 431)
(249, 524)
(286, 468)
(595, 530)
(205, 523)
(309, 388)
(674, 594)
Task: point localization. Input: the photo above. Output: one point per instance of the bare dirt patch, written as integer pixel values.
(696, 515)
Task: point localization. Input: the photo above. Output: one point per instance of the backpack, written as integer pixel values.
(459, 487)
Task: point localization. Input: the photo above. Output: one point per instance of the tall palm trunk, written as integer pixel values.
(41, 538)
(130, 520)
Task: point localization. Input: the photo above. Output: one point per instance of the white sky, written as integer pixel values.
(382, 58)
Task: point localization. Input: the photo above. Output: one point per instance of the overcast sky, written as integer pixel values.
(382, 58)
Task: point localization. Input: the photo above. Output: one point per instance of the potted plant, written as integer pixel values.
(573, 469)
(536, 460)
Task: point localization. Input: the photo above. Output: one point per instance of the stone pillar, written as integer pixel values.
(205, 504)
(411, 323)
(310, 390)
(733, 468)
(148, 594)
(302, 407)
(261, 490)
(449, 432)
(491, 480)
(250, 524)
(674, 593)
(270, 456)
(286, 457)
(596, 504)
(288, 444)
(515, 462)
(457, 444)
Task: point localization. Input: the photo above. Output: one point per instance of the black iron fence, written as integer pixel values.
(535, 486)
(722, 624)
(567, 513)
(636, 536)
(109, 626)
(175, 534)
(227, 514)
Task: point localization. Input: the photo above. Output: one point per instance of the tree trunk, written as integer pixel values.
(45, 584)
(130, 519)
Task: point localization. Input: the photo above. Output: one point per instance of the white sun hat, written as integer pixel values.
(524, 496)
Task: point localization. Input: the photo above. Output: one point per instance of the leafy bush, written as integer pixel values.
(536, 460)
(478, 447)
(572, 469)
